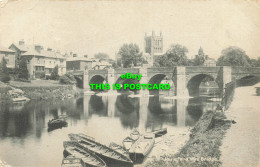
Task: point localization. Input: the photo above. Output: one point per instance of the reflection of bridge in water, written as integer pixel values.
(185, 79)
(146, 113)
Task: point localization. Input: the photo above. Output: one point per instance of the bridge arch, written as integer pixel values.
(195, 81)
(157, 79)
(247, 80)
(126, 81)
(97, 79)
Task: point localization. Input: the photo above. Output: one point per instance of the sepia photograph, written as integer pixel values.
(117, 83)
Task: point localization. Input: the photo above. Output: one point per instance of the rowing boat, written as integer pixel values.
(72, 161)
(89, 159)
(128, 142)
(142, 147)
(119, 149)
(110, 156)
(160, 132)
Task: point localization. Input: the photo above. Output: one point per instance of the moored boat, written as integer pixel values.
(57, 123)
(71, 161)
(142, 147)
(119, 149)
(160, 132)
(128, 142)
(89, 158)
(110, 156)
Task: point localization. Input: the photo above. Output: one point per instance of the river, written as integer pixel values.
(26, 141)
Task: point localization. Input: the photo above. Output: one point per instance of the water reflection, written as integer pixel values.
(99, 116)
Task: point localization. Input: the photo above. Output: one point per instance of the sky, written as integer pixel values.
(90, 27)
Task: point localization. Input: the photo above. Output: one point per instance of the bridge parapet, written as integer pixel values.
(91, 72)
(160, 70)
(245, 70)
(198, 69)
(126, 70)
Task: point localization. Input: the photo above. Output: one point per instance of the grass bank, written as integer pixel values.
(202, 149)
(45, 89)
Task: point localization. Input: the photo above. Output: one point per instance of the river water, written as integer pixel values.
(26, 141)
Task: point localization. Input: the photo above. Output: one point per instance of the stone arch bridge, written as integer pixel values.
(184, 78)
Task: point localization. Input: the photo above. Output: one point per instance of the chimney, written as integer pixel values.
(49, 49)
(38, 48)
(21, 42)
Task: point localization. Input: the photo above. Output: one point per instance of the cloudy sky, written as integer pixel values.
(89, 27)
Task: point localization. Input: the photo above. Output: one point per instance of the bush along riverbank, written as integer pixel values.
(49, 93)
(31, 91)
(202, 149)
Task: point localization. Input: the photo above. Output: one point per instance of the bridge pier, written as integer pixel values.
(180, 81)
(86, 86)
(144, 80)
(225, 78)
(111, 80)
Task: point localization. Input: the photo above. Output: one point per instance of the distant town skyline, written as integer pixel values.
(90, 27)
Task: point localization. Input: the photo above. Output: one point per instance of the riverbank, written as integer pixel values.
(41, 90)
(202, 148)
(241, 145)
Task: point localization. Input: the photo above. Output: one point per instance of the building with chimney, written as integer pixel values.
(40, 62)
(8, 55)
(153, 46)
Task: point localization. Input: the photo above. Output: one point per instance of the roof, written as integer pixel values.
(3, 49)
(21, 47)
(32, 53)
(30, 50)
(79, 59)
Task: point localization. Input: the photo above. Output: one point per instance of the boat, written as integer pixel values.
(71, 161)
(119, 149)
(135, 134)
(128, 142)
(19, 99)
(142, 147)
(110, 156)
(89, 159)
(57, 123)
(159, 132)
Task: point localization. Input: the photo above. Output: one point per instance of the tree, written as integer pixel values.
(233, 56)
(4, 74)
(55, 73)
(130, 55)
(101, 56)
(255, 62)
(175, 56)
(23, 71)
(199, 58)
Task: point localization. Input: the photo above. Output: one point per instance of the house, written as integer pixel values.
(40, 62)
(210, 62)
(8, 55)
(18, 48)
(100, 64)
(78, 63)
